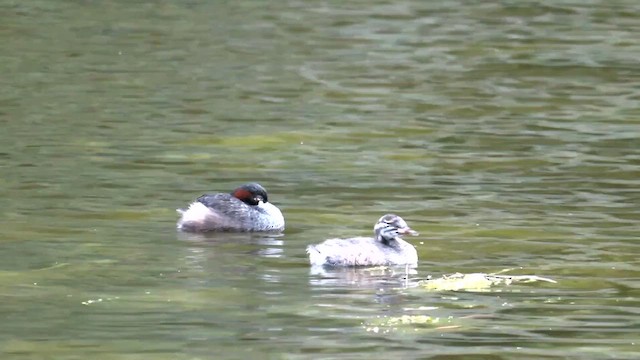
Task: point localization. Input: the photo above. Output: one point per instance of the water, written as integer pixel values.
(507, 133)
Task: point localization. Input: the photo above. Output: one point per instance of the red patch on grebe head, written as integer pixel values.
(242, 194)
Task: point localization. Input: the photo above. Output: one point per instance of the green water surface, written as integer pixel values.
(506, 132)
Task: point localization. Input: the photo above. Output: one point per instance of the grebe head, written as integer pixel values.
(251, 194)
(390, 228)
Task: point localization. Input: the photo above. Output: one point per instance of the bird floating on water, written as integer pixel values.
(245, 209)
(386, 247)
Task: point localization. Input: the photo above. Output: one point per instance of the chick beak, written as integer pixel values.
(408, 231)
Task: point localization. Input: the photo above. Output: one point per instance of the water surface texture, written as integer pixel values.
(506, 132)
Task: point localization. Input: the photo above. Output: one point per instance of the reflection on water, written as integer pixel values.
(374, 277)
(504, 132)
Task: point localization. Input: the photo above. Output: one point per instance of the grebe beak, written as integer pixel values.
(408, 231)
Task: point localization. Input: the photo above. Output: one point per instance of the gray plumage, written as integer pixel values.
(245, 209)
(384, 249)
